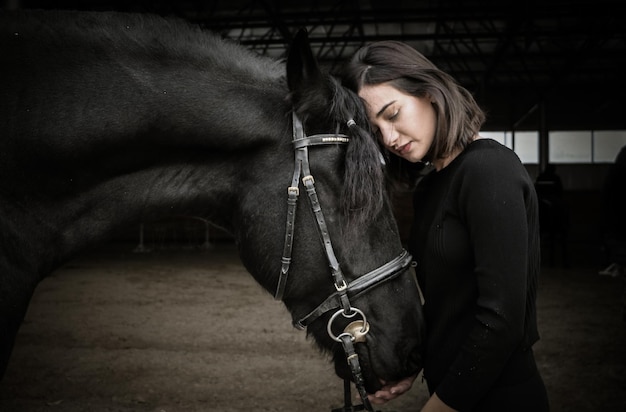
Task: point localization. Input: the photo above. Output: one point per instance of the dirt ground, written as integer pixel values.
(186, 330)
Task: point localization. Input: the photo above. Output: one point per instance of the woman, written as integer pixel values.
(475, 235)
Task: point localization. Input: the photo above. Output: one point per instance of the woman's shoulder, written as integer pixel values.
(489, 152)
(488, 160)
(487, 146)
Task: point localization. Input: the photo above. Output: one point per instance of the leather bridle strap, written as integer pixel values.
(340, 299)
(359, 286)
(355, 368)
(301, 167)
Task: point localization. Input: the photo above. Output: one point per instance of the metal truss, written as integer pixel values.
(523, 53)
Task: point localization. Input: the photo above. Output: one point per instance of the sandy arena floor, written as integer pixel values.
(191, 331)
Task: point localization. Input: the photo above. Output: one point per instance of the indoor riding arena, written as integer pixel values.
(163, 316)
(181, 326)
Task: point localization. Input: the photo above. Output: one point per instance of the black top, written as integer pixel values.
(475, 238)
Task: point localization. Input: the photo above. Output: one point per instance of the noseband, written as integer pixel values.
(357, 330)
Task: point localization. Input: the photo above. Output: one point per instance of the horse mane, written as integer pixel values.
(195, 41)
(364, 180)
(364, 186)
(168, 37)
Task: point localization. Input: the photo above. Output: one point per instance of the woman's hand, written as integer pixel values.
(391, 390)
(435, 404)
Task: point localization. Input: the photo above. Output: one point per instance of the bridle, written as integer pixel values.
(356, 331)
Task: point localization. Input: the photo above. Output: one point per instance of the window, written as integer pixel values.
(526, 145)
(570, 146)
(607, 144)
(574, 147)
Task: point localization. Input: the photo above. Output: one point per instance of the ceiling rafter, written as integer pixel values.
(508, 54)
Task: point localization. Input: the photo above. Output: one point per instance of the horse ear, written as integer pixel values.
(302, 68)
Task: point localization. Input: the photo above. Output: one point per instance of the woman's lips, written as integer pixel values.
(404, 149)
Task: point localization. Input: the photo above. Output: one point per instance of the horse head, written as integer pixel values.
(350, 226)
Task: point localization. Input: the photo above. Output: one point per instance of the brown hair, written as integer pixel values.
(459, 118)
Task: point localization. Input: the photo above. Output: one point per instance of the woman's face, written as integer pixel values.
(405, 124)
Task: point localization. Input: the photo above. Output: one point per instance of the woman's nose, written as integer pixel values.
(390, 136)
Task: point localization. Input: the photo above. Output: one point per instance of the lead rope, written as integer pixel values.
(355, 367)
(355, 332)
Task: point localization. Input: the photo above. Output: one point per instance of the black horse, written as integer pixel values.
(109, 119)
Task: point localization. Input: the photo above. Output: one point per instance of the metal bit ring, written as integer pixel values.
(355, 311)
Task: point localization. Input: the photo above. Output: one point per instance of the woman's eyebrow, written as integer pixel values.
(382, 110)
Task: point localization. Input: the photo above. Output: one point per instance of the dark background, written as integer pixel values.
(532, 65)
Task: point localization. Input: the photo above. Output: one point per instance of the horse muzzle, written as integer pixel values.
(372, 365)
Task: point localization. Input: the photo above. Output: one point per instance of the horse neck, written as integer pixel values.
(97, 78)
(122, 137)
